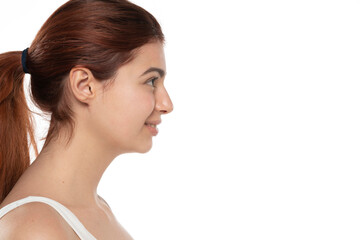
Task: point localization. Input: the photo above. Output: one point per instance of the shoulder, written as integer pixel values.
(35, 220)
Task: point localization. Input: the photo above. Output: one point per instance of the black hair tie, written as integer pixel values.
(23, 60)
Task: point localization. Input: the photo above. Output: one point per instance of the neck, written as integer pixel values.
(70, 173)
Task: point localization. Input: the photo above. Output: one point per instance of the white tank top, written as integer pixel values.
(70, 218)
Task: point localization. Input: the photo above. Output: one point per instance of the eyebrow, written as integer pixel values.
(154, 69)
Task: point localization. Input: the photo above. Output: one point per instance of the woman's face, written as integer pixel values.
(134, 99)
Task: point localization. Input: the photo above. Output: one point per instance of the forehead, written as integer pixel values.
(149, 55)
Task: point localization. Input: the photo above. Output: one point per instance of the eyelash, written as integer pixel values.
(153, 81)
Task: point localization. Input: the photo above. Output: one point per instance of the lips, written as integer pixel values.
(153, 122)
(152, 128)
(151, 125)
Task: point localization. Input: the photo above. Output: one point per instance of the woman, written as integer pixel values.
(98, 68)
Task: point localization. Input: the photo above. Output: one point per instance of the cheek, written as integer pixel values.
(130, 110)
(118, 118)
(144, 108)
(149, 102)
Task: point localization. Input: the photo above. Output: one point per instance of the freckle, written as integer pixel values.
(62, 181)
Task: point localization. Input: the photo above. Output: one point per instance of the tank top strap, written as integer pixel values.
(70, 218)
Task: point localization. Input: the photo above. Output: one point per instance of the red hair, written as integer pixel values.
(101, 35)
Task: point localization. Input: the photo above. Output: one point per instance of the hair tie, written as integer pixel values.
(23, 60)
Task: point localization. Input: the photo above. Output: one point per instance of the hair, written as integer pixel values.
(101, 35)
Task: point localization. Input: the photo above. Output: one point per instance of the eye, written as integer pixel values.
(152, 81)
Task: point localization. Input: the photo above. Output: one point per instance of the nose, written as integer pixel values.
(164, 104)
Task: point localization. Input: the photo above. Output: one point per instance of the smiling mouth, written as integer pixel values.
(152, 128)
(151, 125)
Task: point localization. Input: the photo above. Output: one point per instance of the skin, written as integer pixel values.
(108, 123)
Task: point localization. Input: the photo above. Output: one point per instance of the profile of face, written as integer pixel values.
(138, 96)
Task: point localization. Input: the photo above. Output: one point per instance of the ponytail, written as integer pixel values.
(16, 123)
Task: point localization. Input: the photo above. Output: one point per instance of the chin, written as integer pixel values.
(146, 148)
(143, 152)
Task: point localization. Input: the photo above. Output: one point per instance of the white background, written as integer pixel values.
(263, 142)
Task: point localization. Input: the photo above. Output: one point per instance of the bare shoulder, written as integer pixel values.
(37, 221)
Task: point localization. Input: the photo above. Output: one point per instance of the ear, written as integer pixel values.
(82, 84)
